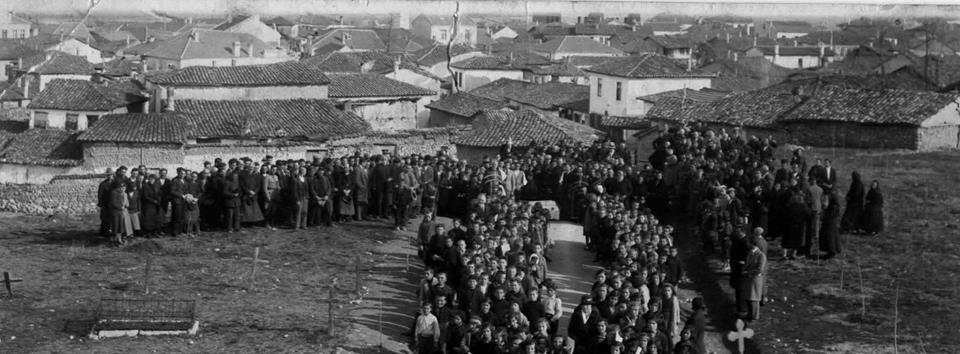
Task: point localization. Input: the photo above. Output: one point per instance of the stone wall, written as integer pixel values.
(100, 156)
(852, 135)
(196, 155)
(388, 115)
(427, 142)
(33, 174)
(77, 195)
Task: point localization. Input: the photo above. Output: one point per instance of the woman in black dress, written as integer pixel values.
(853, 213)
(873, 211)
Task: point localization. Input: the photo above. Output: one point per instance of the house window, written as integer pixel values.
(466, 35)
(73, 121)
(599, 87)
(443, 35)
(4, 34)
(619, 90)
(208, 141)
(800, 63)
(40, 120)
(91, 119)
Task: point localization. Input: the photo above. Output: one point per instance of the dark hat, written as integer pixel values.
(586, 300)
(698, 303)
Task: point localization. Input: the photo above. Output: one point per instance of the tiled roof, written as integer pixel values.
(748, 66)
(624, 122)
(280, 21)
(83, 95)
(671, 42)
(351, 62)
(119, 67)
(871, 106)
(48, 147)
(702, 95)
(355, 85)
(594, 29)
(578, 106)
(645, 66)
(583, 62)
(501, 89)
(167, 127)
(488, 62)
(445, 20)
(846, 37)
(279, 74)
(11, 50)
(760, 108)
(437, 53)
(576, 44)
(54, 62)
(212, 44)
(232, 22)
(551, 95)
(268, 118)
(14, 92)
(143, 47)
(787, 51)
(354, 38)
(465, 104)
(738, 83)
(562, 69)
(495, 128)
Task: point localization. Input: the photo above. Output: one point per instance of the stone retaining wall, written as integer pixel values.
(68, 196)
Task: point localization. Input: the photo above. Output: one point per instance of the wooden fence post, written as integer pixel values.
(330, 328)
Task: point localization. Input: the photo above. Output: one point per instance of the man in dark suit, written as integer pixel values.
(583, 321)
(829, 175)
(103, 202)
(817, 172)
(299, 195)
(178, 212)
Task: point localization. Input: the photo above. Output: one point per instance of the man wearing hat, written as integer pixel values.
(697, 324)
(103, 202)
(582, 322)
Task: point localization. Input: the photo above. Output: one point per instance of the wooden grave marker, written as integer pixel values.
(7, 281)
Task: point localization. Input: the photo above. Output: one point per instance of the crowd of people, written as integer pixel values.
(486, 287)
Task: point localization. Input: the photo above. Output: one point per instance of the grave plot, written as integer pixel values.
(144, 317)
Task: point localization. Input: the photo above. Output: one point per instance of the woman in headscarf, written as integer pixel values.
(854, 210)
(670, 308)
(231, 194)
(873, 211)
(830, 227)
(150, 206)
(118, 210)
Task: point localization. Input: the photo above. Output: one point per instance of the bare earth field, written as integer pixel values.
(909, 272)
(285, 308)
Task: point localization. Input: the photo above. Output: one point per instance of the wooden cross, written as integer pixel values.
(7, 281)
(740, 334)
(255, 260)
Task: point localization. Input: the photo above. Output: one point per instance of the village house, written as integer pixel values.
(346, 40)
(841, 42)
(546, 98)
(560, 72)
(617, 85)
(384, 103)
(37, 156)
(402, 41)
(440, 29)
(202, 47)
(12, 26)
(784, 29)
(729, 47)
(479, 70)
(74, 30)
(51, 65)
(569, 46)
(745, 73)
(752, 113)
(596, 31)
(794, 57)
(287, 28)
(11, 56)
(290, 80)
(78, 104)
(493, 129)
(505, 32)
(545, 18)
(251, 24)
(887, 119)
(72, 46)
(864, 60)
(672, 47)
(460, 108)
(434, 58)
(393, 66)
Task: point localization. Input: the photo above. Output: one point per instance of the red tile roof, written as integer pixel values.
(495, 128)
(465, 104)
(279, 74)
(645, 66)
(84, 95)
(355, 85)
(836, 104)
(269, 119)
(167, 127)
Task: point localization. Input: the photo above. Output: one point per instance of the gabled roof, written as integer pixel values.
(437, 53)
(354, 38)
(279, 74)
(760, 108)
(351, 62)
(845, 38)
(702, 95)
(73, 29)
(754, 67)
(465, 104)
(561, 69)
(356, 85)
(551, 95)
(279, 21)
(501, 89)
(268, 119)
(47, 147)
(232, 22)
(119, 67)
(786, 51)
(488, 62)
(212, 44)
(495, 128)
(671, 42)
(84, 95)
(14, 92)
(871, 106)
(166, 127)
(54, 62)
(592, 29)
(645, 66)
(444, 20)
(576, 44)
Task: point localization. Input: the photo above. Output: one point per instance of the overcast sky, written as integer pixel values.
(849, 9)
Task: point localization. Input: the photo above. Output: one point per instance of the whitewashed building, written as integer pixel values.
(617, 85)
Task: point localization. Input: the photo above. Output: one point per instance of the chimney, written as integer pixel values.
(128, 40)
(776, 51)
(728, 37)
(754, 41)
(340, 20)
(143, 67)
(796, 43)
(48, 56)
(633, 27)
(250, 50)
(20, 63)
(690, 63)
(26, 86)
(822, 51)
(396, 65)
(736, 56)
(171, 101)
(196, 35)
(97, 76)
(236, 49)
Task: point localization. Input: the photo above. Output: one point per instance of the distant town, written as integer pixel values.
(175, 84)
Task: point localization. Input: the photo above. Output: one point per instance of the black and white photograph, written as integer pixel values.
(479, 176)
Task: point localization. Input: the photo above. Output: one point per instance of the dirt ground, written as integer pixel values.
(283, 309)
(906, 275)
